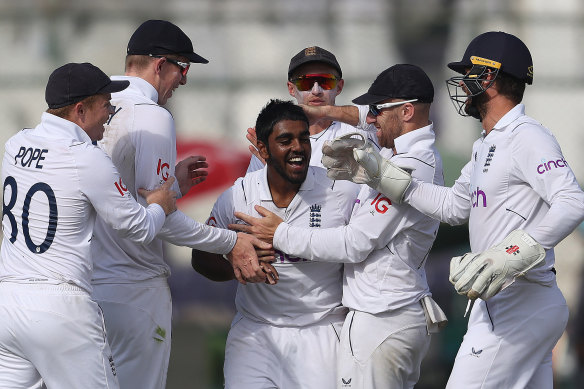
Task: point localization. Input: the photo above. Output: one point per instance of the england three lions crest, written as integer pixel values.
(315, 216)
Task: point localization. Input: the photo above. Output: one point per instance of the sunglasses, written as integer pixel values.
(375, 109)
(184, 66)
(306, 82)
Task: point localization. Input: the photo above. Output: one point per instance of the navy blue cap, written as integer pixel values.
(401, 81)
(74, 82)
(314, 54)
(161, 37)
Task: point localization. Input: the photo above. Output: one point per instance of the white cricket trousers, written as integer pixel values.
(385, 350)
(263, 356)
(53, 332)
(509, 341)
(138, 319)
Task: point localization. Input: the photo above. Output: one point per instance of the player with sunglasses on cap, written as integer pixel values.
(520, 199)
(130, 280)
(384, 247)
(55, 183)
(315, 79)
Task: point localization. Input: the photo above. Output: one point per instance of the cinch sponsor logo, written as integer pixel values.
(212, 221)
(477, 196)
(545, 166)
(283, 257)
(162, 169)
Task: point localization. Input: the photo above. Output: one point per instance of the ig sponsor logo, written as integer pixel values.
(162, 169)
(546, 166)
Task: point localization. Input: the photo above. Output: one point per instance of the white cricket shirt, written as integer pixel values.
(517, 178)
(385, 245)
(307, 291)
(55, 180)
(141, 139)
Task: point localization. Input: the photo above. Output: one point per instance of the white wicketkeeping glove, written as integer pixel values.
(337, 157)
(358, 160)
(486, 274)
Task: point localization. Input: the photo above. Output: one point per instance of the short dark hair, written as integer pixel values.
(276, 111)
(510, 87)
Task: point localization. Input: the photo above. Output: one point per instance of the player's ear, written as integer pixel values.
(340, 86)
(291, 89)
(263, 150)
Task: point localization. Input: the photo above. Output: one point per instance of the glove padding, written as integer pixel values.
(486, 274)
(337, 157)
(359, 161)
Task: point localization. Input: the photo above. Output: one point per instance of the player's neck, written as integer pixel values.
(319, 127)
(282, 190)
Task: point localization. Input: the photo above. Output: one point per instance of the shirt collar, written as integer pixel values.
(510, 117)
(404, 143)
(265, 193)
(54, 127)
(138, 86)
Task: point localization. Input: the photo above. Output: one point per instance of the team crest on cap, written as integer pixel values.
(530, 71)
(310, 51)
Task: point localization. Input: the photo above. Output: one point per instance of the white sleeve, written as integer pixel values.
(100, 182)
(556, 186)
(181, 230)
(254, 164)
(155, 161)
(363, 112)
(154, 139)
(449, 205)
(373, 225)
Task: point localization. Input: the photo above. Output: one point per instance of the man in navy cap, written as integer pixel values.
(55, 182)
(384, 247)
(520, 199)
(130, 280)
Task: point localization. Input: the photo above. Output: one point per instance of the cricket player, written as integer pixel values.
(55, 182)
(315, 79)
(286, 335)
(385, 245)
(130, 280)
(520, 199)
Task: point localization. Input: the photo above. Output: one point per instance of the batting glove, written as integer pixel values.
(359, 161)
(486, 274)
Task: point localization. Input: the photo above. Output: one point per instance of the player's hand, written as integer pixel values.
(272, 275)
(244, 259)
(188, 172)
(263, 228)
(163, 196)
(253, 148)
(314, 113)
(486, 274)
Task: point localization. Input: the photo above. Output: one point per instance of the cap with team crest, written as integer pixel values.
(313, 54)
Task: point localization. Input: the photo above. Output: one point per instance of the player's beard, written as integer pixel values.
(476, 106)
(281, 170)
